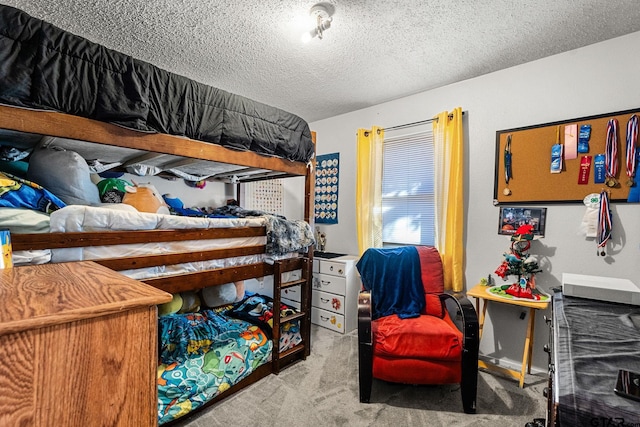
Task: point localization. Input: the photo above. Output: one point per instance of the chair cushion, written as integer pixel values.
(431, 269)
(417, 371)
(425, 337)
(433, 306)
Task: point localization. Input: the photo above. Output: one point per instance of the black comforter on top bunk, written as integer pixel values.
(44, 67)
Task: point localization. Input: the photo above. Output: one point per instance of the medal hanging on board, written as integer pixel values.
(611, 154)
(632, 138)
(604, 223)
(507, 166)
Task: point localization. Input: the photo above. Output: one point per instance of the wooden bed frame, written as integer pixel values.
(82, 129)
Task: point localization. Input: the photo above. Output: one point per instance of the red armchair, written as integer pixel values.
(409, 330)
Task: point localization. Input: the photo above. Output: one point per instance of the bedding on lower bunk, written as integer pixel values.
(88, 218)
(284, 237)
(20, 220)
(203, 354)
(25, 208)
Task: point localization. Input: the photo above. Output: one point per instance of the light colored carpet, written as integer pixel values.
(323, 391)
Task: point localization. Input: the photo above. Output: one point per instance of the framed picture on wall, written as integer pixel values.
(512, 218)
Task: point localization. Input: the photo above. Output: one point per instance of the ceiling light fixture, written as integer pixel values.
(322, 13)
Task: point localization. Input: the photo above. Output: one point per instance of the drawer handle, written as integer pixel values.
(324, 319)
(325, 282)
(324, 300)
(286, 291)
(340, 271)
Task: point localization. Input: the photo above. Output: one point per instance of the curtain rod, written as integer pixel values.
(421, 122)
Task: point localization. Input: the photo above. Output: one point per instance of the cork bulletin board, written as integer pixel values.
(530, 148)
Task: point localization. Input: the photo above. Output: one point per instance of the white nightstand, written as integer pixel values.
(334, 298)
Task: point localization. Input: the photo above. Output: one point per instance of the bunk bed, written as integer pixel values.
(110, 109)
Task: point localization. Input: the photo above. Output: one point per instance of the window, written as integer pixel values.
(408, 190)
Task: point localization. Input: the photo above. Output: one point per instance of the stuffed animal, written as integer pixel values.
(113, 190)
(173, 202)
(216, 296)
(170, 307)
(184, 302)
(190, 302)
(146, 198)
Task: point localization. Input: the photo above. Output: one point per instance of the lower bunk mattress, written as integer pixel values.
(284, 237)
(205, 353)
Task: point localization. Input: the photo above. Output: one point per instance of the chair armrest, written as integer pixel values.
(365, 346)
(364, 317)
(464, 316)
(466, 319)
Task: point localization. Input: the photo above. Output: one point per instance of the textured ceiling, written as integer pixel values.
(375, 51)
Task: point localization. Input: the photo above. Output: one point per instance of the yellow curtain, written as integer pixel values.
(369, 188)
(449, 195)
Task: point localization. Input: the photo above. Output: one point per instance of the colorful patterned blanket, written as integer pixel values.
(19, 193)
(283, 235)
(203, 354)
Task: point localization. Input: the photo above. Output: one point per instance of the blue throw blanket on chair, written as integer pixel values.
(394, 278)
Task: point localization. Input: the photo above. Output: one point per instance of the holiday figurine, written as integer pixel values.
(518, 262)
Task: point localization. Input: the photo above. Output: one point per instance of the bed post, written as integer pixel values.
(309, 217)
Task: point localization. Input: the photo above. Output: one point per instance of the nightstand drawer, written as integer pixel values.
(327, 283)
(333, 268)
(327, 319)
(327, 301)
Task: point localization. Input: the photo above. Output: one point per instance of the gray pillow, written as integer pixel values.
(64, 173)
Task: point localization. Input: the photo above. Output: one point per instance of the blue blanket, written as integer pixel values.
(394, 278)
(19, 193)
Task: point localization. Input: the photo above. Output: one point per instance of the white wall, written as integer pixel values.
(214, 194)
(598, 79)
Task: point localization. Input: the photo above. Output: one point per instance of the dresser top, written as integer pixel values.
(341, 258)
(36, 296)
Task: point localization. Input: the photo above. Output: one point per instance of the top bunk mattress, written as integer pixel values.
(45, 67)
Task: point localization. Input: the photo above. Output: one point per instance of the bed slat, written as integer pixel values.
(23, 242)
(146, 261)
(203, 279)
(83, 129)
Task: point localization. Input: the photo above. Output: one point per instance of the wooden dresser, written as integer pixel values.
(78, 347)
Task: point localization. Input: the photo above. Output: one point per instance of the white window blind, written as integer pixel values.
(407, 190)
